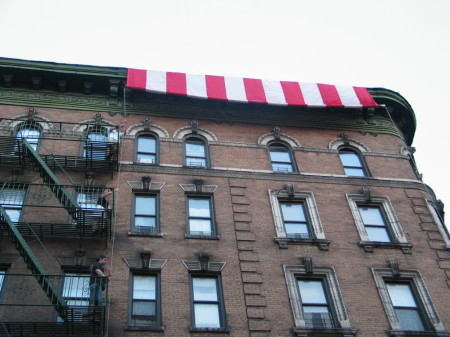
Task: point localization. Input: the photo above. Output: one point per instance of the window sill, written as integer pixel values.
(335, 332)
(217, 330)
(156, 235)
(202, 237)
(370, 245)
(283, 243)
(145, 328)
(402, 333)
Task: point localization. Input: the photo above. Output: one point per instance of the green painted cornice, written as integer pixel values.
(62, 68)
(398, 108)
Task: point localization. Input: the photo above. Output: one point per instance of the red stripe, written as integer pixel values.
(215, 87)
(292, 93)
(365, 97)
(330, 95)
(137, 79)
(254, 90)
(176, 83)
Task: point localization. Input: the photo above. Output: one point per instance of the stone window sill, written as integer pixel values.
(202, 237)
(370, 245)
(209, 330)
(402, 333)
(283, 243)
(335, 332)
(156, 235)
(145, 328)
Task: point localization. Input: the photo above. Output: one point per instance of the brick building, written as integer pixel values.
(226, 218)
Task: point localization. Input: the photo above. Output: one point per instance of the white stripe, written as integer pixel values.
(274, 92)
(348, 96)
(311, 94)
(196, 85)
(235, 89)
(156, 81)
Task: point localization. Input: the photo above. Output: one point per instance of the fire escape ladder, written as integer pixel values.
(32, 263)
(49, 178)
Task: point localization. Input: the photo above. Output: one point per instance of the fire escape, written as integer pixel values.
(31, 213)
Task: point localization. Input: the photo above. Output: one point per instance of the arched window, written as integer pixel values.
(281, 158)
(352, 163)
(146, 149)
(196, 152)
(95, 145)
(31, 132)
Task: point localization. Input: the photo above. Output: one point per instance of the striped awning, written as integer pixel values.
(249, 90)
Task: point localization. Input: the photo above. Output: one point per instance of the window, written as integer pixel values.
(405, 306)
(144, 306)
(146, 149)
(316, 301)
(145, 214)
(315, 304)
(281, 158)
(75, 291)
(2, 279)
(437, 215)
(94, 213)
(407, 303)
(296, 218)
(200, 216)
(195, 152)
(32, 135)
(95, 146)
(12, 201)
(207, 302)
(377, 223)
(374, 223)
(352, 163)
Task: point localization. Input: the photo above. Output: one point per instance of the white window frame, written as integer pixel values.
(440, 225)
(315, 225)
(381, 275)
(336, 303)
(392, 224)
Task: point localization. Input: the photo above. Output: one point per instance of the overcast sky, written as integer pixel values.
(402, 45)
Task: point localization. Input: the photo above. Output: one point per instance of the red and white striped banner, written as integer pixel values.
(250, 90)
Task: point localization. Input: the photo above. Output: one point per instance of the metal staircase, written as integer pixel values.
(32, 262)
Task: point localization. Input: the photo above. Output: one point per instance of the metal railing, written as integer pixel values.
(26, 311)
(36, 210)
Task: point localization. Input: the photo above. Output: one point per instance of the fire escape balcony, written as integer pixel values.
(69, 146)
(26, 204)
(25, 309)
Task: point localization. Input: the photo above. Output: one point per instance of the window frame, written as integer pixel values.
(429, 315)
(98, 130)
(443, 229)
(290, 154)
(312, 213)
(28, 125)
(18, 187)
(156, 231)
(363, 166)
(157, 326)
(393, 226)
(155, 154)
(220, 303)
(211, 218)
(331, 288)
(199, 140)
